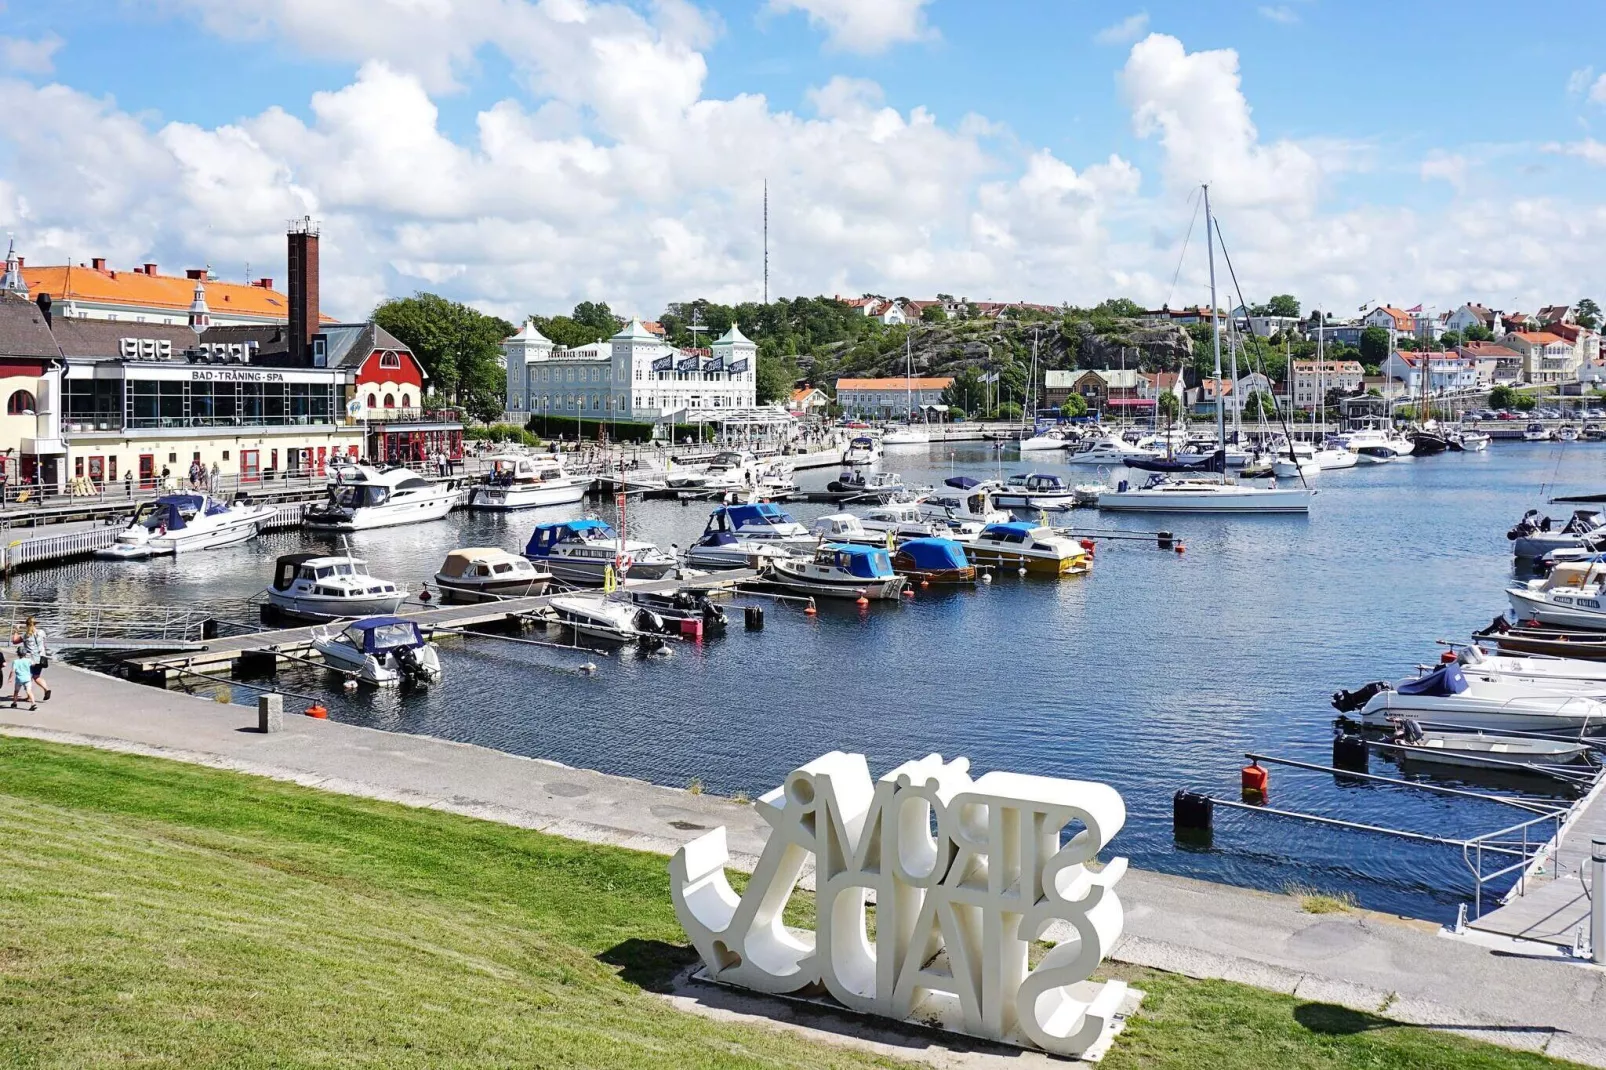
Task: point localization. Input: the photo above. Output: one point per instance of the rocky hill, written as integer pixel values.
(992, 345)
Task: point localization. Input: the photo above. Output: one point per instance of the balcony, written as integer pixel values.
(409, 416)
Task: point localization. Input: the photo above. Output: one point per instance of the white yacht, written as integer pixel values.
(605, 618)
(1163, 494)
(1039, 490)
(322, 587)
(908, 520)
(906, 436)
(847, 528)
(764, 521)
(731, 470)
(584, 551)
(1376, 442)
(361, 498)
(177, 523)
(1295, 461)
(1052, 439)
(383, 651)
(720, 550)
(1335, 455)
(1108, 449)
(519, 481)
(775, 480)
(863, 449)
(963, 500)
(488, 574)
(1536, 432)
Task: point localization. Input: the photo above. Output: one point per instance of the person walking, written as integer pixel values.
(21, 676)
(30, 644)
(215, 483)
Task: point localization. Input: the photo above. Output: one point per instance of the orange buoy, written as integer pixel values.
(318, 712)
(908, 592)
(1255, 779)
(1447, 657)
(924, 584)
(1087, 544)
(1181, 548)
(863, 601)
(809, 610)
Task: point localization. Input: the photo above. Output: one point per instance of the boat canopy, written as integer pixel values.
(1440, 683)
(169, 510)
(962, 482)
(862, 440)
(1013, 531)
(378, 635)
(934, 555)
(865, 562)
(459, 562)
(546, 536)
(1215, 462)
(1044, 481)
(287, 567)
(756, 515)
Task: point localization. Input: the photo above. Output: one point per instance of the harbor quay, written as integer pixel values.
(1407, 970)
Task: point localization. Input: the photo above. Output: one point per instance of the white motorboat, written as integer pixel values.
(383, 651)
(759, 520)
(1536, 432)
(840, 570)
(361, 498)
(587, 551)
(1038, 550)
(178, 523)
(322, 587)
(1536, 536)
(1376, 442)
(906, 436)
(1447, 696)
(1052, 439)
(518, 481)
(1471, 441)
(489, 574)
(1163, 494)
(862, 449)
(1039, 490)
(847, 528)
(774, 480)
(605, 618)
(1532, 669)
(868, 486)
(731, 470)
(1334, 455)
(964, 500)
(1109, 449)
(908, 520)
(720, 550)
(1484, 750)
(1567, 433)
(1572, 596)
(1295, 460)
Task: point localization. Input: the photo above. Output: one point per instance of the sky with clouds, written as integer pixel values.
(527, 154)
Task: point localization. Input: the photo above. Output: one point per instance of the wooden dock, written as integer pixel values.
(262, 648)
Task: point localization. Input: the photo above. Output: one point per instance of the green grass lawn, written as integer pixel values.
(155, 914)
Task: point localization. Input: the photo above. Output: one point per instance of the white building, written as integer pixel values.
(1313, 379)
(632, 376)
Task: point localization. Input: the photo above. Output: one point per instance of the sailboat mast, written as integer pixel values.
(1320, 350)
(908, 376)
(1215, 321)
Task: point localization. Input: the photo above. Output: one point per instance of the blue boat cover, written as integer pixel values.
(962, 482)
(993, 531)
(385, 633)
(547, 536)
(1440, 683)
(866, 562)
(759, 512)
(935, 555)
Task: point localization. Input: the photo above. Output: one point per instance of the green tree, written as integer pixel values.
(1502, 397)
(1124, 307)
(564, 332)
(1283, 305)
(1074, 406)
(774, 378)
(1478, 333)
(1374, 345)
(1409, 344)
(1523, 403)
(1259, 403)
(458, 347)
(1371, 369)
(966, 392)
(1007, 411)
(597, 316)
(1169, 405)
(1450, 339)
(1588, 313)
(933, 314)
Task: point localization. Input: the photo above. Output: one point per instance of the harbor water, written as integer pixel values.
(1157, 671)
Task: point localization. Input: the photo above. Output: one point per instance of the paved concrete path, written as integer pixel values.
(1522, 995)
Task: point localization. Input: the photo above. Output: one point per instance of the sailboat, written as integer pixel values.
(1164, 493)
(908, 434)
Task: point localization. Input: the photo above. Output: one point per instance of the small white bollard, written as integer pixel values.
(1597, 902)
(270, 713)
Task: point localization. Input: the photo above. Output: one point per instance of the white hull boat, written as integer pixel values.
(1048, 440)
(906, 437)
(1533, 668)
(1447, 696)
(1535, 538)
(180, 523)
(720, 550)
(1199, 496)
(1036, 491)
(319, 587)
(603, 618)
(1335, 458)
(488, 574)
(1301, 468)
(1481, 750)
(838, 570)
(518, 481)
(363, 498)
(1473, 441)
(382, 651)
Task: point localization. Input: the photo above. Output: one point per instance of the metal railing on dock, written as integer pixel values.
(110, 626)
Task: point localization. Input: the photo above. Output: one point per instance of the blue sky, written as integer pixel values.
(1391, 158)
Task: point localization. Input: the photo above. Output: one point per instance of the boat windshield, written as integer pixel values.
(384, 637)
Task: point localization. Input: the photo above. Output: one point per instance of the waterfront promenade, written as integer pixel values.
(1502, 991)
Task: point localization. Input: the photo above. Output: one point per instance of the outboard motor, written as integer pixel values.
(1410, 731)
(407, 662)
(1350, 701)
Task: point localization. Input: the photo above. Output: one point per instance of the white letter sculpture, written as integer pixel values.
(964, 873)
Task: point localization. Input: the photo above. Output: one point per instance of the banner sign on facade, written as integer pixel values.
(664, 364)
(688, 365)
(717, 364)
(738, 366)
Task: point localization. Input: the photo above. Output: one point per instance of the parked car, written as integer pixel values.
(1507, 414)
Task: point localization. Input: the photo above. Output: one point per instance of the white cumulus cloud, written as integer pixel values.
(22, 55)
(1279, 13)
(866, 26)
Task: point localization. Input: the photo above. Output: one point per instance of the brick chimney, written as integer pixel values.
(303, 287)
(98, 263)
(195, 273)
(266, 284)
(150, 269)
